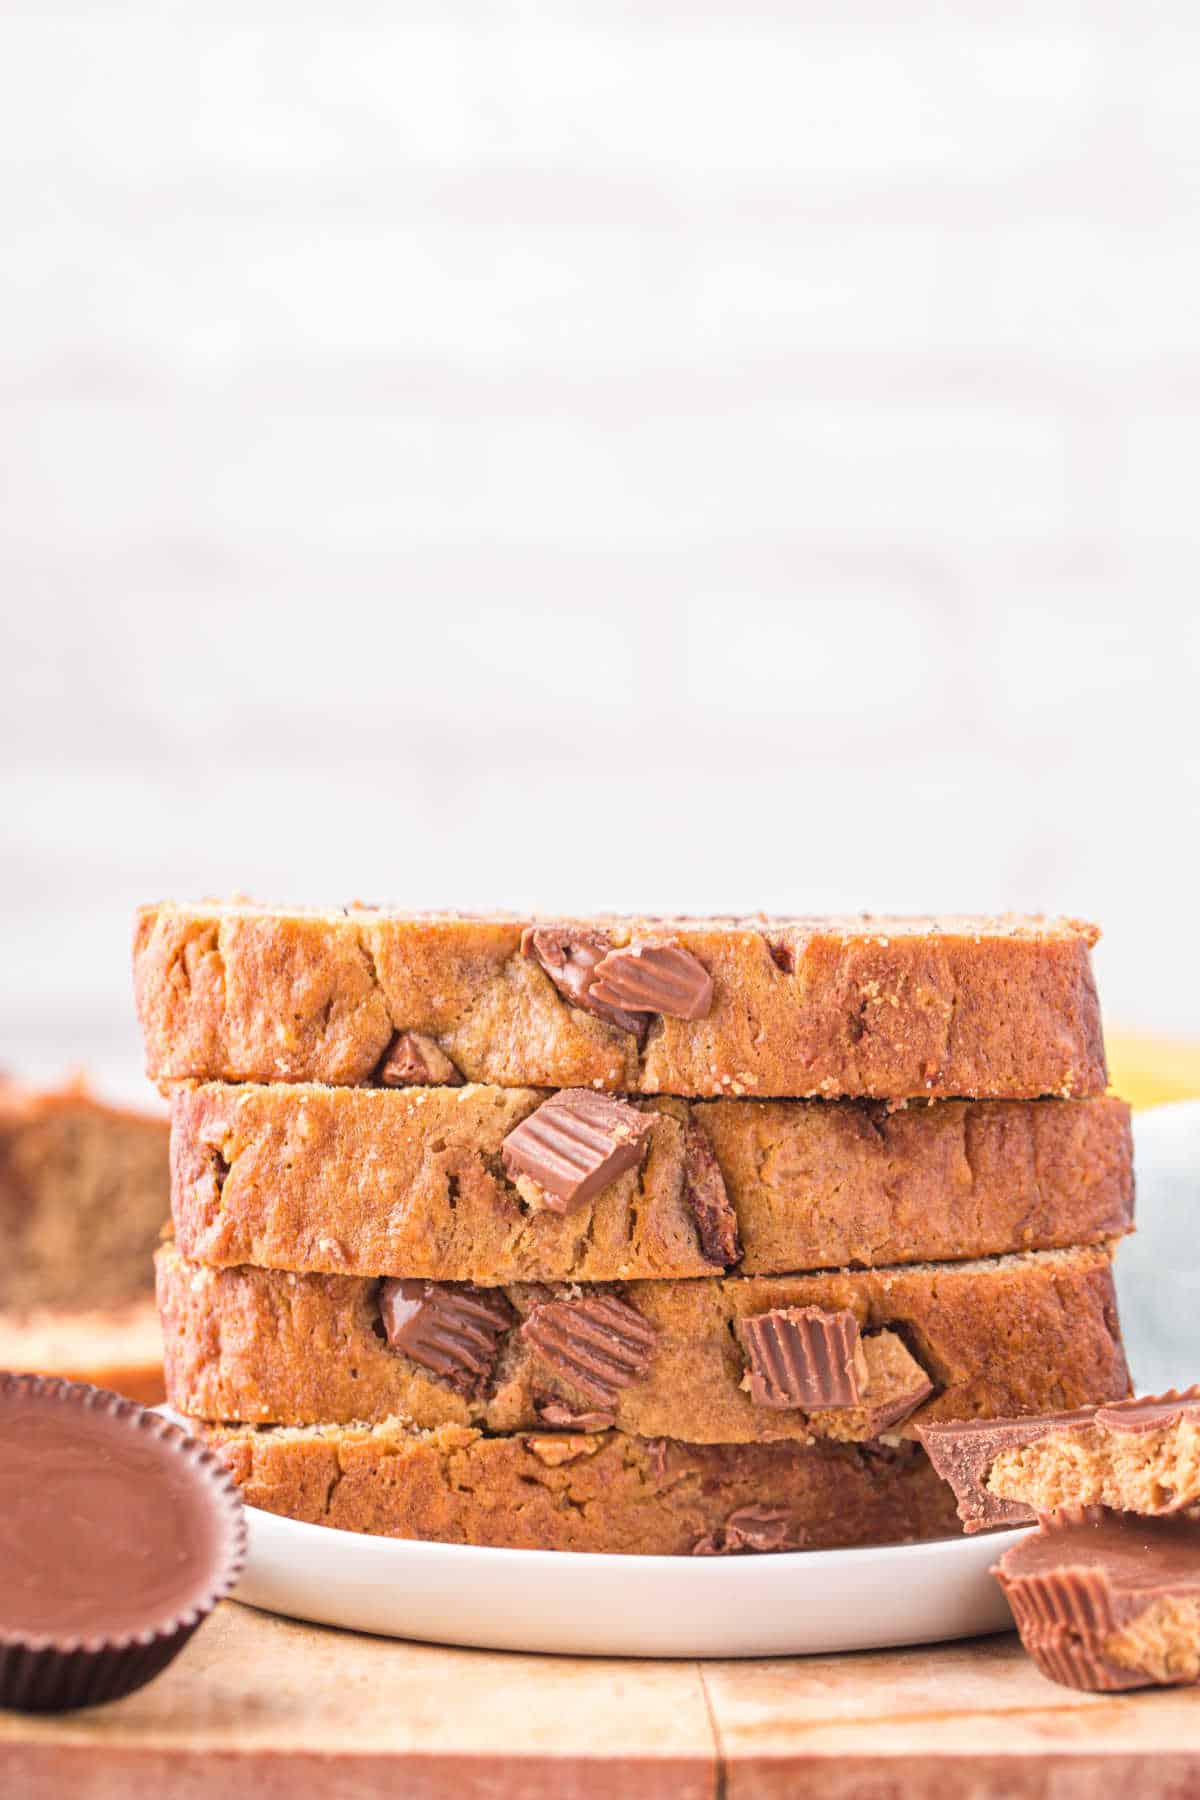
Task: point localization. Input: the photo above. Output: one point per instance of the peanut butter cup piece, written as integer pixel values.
(118, 1535)
(600, 1344)
(560, 1417)
(569, 955)
(573, 1145)
(1140, 1456)
(414, 1060)
(758, 1528)
(963, 1451)
(803, 1357)
(452, 1328)
(655, 976)
(1107, 1601)
(896, 1383)
(708, 1199)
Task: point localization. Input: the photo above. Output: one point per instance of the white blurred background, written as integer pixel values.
(686, 456)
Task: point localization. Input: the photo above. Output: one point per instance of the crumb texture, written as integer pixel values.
(1150, 1473)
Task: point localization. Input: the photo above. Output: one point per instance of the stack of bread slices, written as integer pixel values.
(627, 1234)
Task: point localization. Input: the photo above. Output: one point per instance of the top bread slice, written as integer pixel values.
(877, 1008)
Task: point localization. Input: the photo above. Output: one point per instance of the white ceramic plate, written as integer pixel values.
(559, 1601)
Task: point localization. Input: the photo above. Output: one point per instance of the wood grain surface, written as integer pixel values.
(279, 1709)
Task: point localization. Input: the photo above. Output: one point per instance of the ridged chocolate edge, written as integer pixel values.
(1127, 1417)
(45, 1674)
(1078, 1601)
(1076, 1663)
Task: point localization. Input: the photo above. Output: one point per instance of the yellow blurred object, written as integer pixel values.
(1148, 1071)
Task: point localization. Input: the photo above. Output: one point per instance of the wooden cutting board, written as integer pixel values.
(266, 1709)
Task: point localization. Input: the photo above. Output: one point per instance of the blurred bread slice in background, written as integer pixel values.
(118, 1347)
(84, 1189)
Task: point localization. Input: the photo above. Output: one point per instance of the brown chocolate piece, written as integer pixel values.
(1104, 1600)
(750, 1528)
(415, 1060)
(782, 955)
(705, 1192)
(802, 1357)
(963, 1452)
(574, 1144)
(561, 1417)
(452, 1329)
(120, 1534)
(655, 976)
(600, 1345)
(569, 955)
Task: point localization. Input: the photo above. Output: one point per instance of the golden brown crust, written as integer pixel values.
(364, 1181)
(1013, 1335)
(84, 1192)
(603, 1492)
(885, 1008)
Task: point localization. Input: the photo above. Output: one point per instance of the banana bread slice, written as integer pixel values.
(117, 1347)
(1001, 1008)
(849, 1355)
(598, 1491)
(358, 1181)
(84, 1193)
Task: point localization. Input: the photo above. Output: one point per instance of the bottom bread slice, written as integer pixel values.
(602, 1491)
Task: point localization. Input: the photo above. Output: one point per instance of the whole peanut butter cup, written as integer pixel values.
(118, 1535)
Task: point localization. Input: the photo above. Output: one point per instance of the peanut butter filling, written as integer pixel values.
(1144, 1472)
